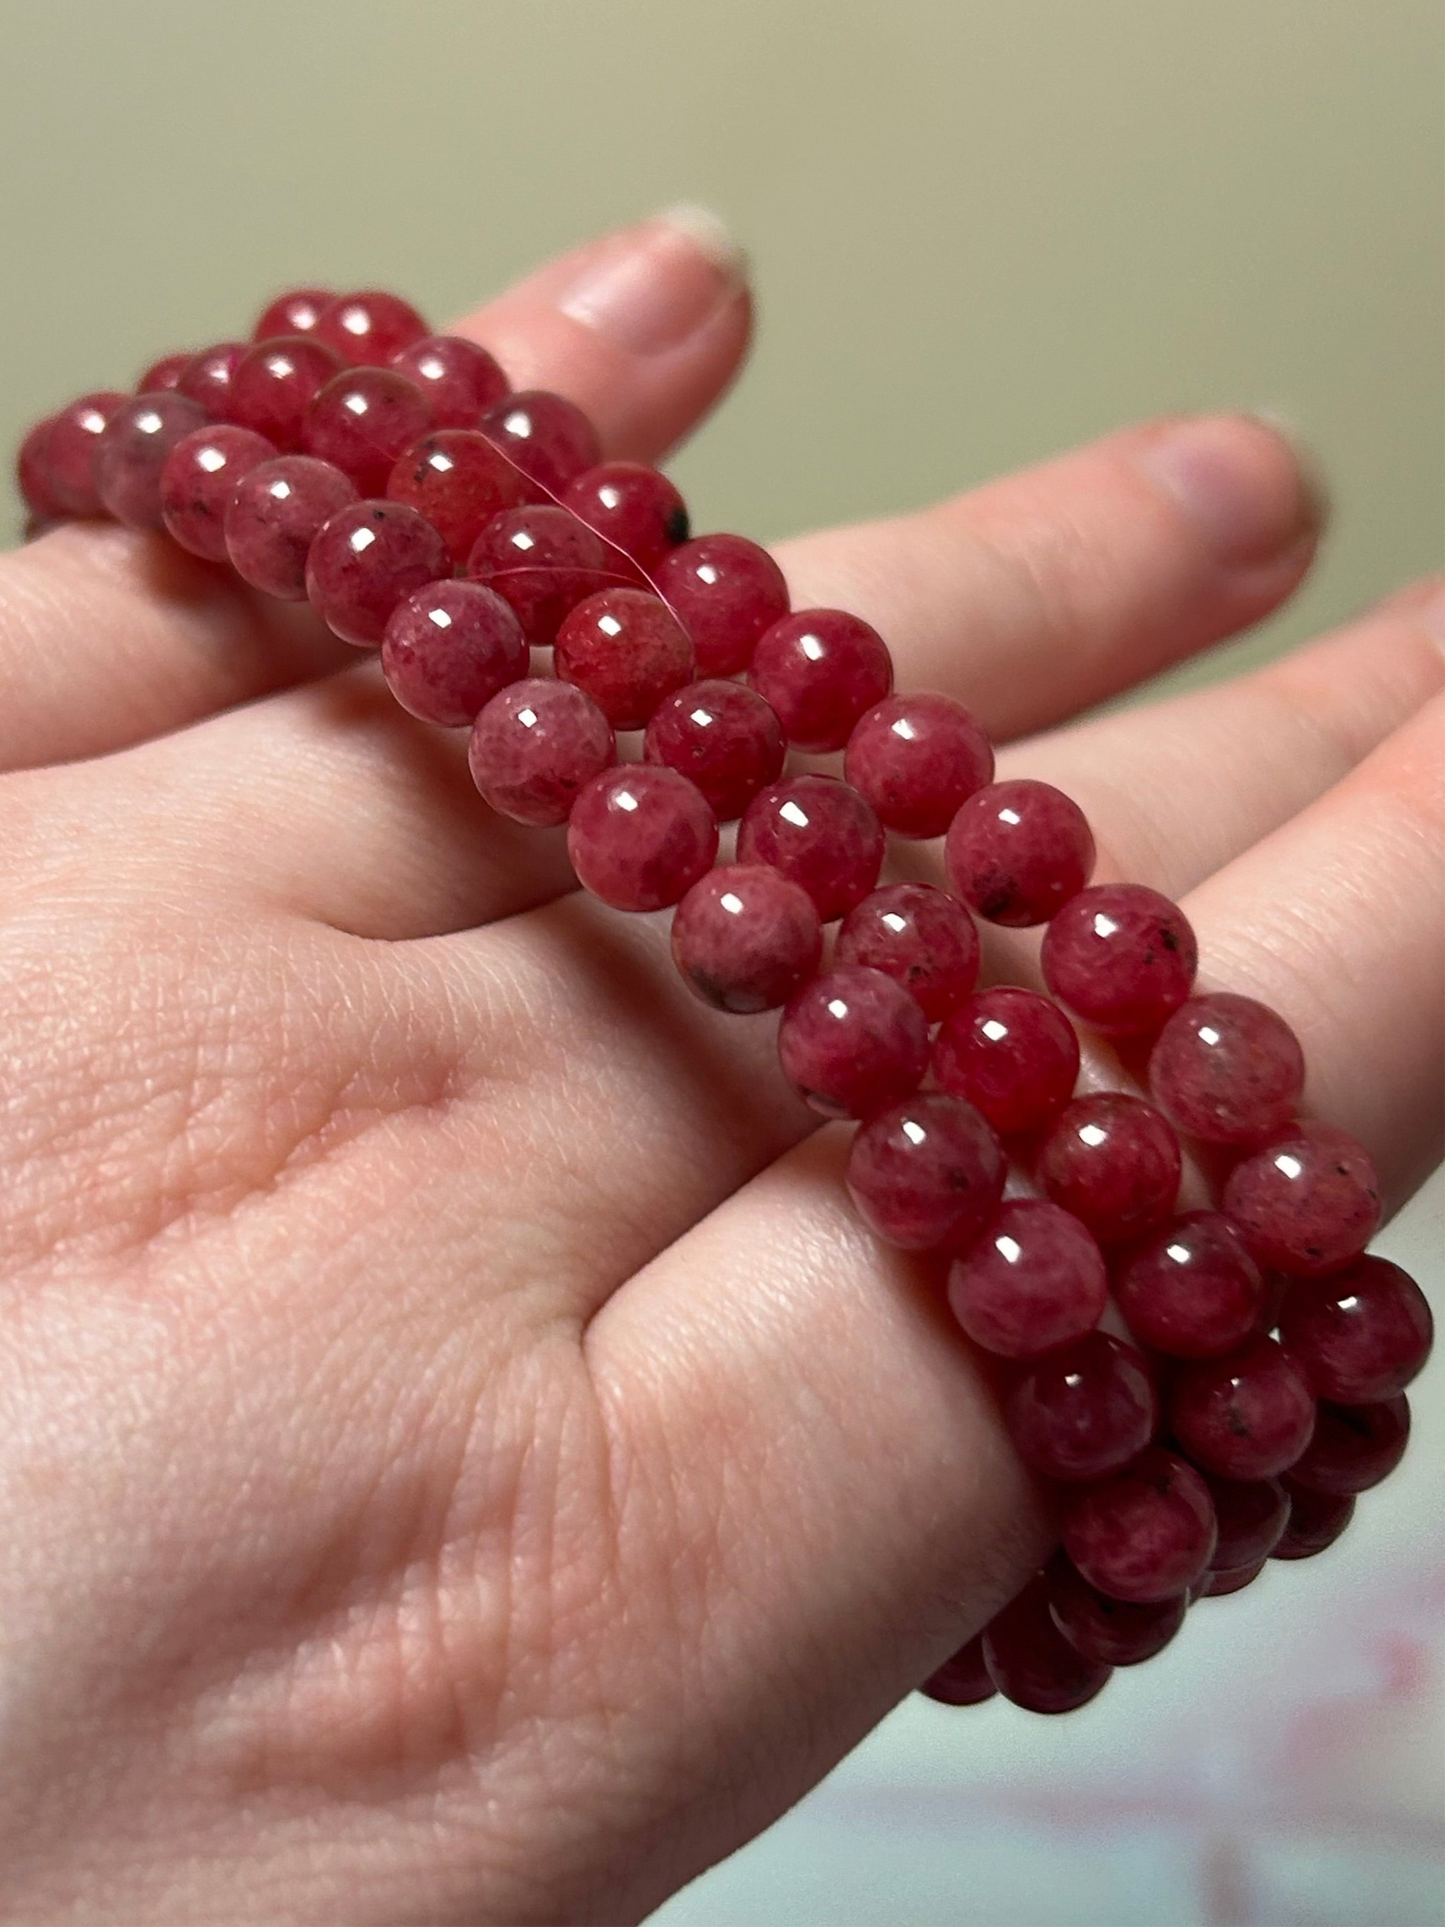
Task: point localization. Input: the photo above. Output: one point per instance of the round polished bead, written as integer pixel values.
(460, 380)
(1012, 1053)
(449, 648)
(921, 936)
(164, 376)
(821, 833)
(628, 650)
(369, 327)
(543, 561)
(295, 312)
(1308, 1203)
(640, 837)
(1316, 1520)
(536, 746)
(916, 758)
(1017, 851)
(364, 561)
(1083, 1412)
(274, 384)
(32, 474)
(1226, 1069)
(820, 669)
(1031, 1663)
(273, 516)
(1145, 1533)
(1222, 1580)
(70, 450)
(631, 506)
(460, 483)
(1191, 1289)
(1116, 1632)
(1121, 957)
(852, 1041)
(963, 1680)
(1354, 1447)
(1359, 1335)
(926, 1172)
(726, 591)
(1251, 1514)
(721, 736)
(548, 438)
(1113, 1161)
(206, 377)
(1248, 1415)
(1033, 1280)
(745, 939)
(197, 482)
(132, 451)
(363, 421)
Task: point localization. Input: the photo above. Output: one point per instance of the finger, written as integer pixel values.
(109, 637)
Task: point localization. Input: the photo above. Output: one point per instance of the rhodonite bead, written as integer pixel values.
(449, 648)
(1308, 1203)
(1354, 1447)
(197, 481)
(726, 591)
(627, 650)
(919, 935)
(548, 438)
(1221, 1580)
(721, 736)
(70, 450)
(163, 376)
(821, 833)
(963, 1680)
(132, 451)
(1146, 1533)
(916, 758)
(363, 421)
(1083, 1412)
(1191, 1289)
(536, 746)
(274, 384)
(926, 1172)
(852, 1041)
(1121, 957)
(364, 561)
(1114, 1162)
(206, 377)
(1316, 1520)
(744, 938)
(1360, 1335)
(1250, 1514)
(1031, 1663)
(1032, 1280)
(1012, 1053)
(640, 837)
(1017, 851)
(369, 327)
(295, 312)
(632, 506)
(460, 380)
(32, 476)
(460, 483)
(1116, 1632)
(820, 669)
(1248, 1415)
(543, 561)
(1226, 1069)
(273, 516)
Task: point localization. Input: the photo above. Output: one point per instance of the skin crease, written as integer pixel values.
(462, 1458)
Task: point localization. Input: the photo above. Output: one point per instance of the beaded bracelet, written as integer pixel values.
(346, 456)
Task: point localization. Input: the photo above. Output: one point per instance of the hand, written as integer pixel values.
(462, 1458)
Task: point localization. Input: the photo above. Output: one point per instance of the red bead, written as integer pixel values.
(197, 482)
(919, 935)
(549, 439)
(1248, 1415)
(449, 648)
(852, 1041)
(1114, 1162)
(726, 591)
(535, 746)
(1084, 1412)
(70, 450)
(640, 837)
(1033, 1280)
(1146, 1533)
(1308, 1203)
(458, 481)
(369, 557)
(1226, 1069)
(1354, 1446)
(294, 313)
(363, 421)
(721, 736)
(1191, 1290)
(1220, 1580)
(1316, 1520)
(460, 380)
(1360, 1335)
(274, 384)
(1012, 1053)
(163, 376)
(543, 561)
(962, 1680)
(1016, 851)
(1116, 1632)
(633, 507)
(1031, 1662)
(627, 650)
(820, 669)
(273, 516)
(206, 377)
(927, 1172)
(32, 474)
(916, 758)
(1121, 957)
(1251, 1514)
(744, 938)
(132, 451)
(369, 327)
(819, 832)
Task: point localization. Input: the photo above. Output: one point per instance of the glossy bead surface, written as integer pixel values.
(1146, 1533)
(1031, 1662)
(206, 377)
(726, 591)
(295, 312)
(548, 438)
(370, 556)
(70, 450)
(1248, 1415)
(628, 650)
(821, 833)
(1219, 1581)
(916, 757)
(1033, 1280)
(1083, 1412)
(460, 380)
(459, 482)
(1191, 1289)
(745, 939)
(273, 516)
(721, 736)
(640, 837)
(543, 561)
(274, 384)
(1117, 1632)
(449, 648)
(1016, 851)
(1114, 1162)
(162, 377)
(1308, 1203)
(1316, 1520)
(926, 1172)
(1354, 1447)
(536, 746)
(852, 1041)
(632, 506)
(1226, 1069)
(1250, 1515)
(1012, 1053)
(963, 1680)
(32, 474)
(1121, 957)
(197, 481)
(363, 421)
(919, 935)
(1359, 1335)
(132, 451)
(368, 327)
(820, 669)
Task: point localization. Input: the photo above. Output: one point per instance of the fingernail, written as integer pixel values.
(1432, 618)
(656, 284)
(1245, 482)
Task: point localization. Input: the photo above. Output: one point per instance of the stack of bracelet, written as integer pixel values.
(347, 456)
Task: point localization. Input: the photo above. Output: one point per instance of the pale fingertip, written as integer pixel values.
(1238, 481)
(656, 286)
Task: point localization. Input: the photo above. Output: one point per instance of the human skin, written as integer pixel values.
(462, 1461)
